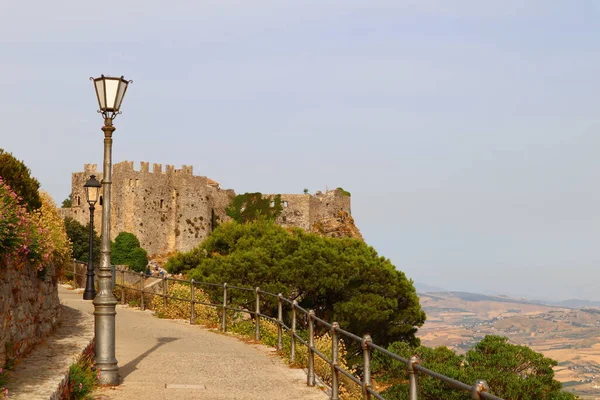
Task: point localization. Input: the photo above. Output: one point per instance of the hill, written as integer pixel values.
(570, 335)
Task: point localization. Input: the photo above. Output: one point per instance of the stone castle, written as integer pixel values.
(174, 210)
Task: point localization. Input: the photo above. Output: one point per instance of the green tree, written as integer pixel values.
(512, 371)
(68, 202)
(126, 250)
(252, 206)
(16, 175)
(343, 280)
(80, 240)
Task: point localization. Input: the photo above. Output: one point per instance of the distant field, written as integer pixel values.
(571, 336)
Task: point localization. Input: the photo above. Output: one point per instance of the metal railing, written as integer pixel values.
(478, 391)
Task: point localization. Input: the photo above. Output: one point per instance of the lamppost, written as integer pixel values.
(110, 92)
(92, 188)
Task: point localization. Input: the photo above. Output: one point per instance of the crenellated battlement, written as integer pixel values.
(172, 209)
(128, 166)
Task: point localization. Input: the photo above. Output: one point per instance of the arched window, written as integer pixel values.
(101, 202)
(161, 203)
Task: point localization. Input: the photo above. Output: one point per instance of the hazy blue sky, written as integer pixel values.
(467, 131)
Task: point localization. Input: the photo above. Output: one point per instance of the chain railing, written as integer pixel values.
(478, 391)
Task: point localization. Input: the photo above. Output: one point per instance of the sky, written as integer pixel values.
(468, 132)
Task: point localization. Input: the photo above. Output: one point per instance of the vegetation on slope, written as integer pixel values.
(512, 372)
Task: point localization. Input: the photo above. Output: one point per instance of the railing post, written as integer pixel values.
(279, 321)
(293, 338)
(366, 366)
(310, 379)
(122, 286)
(142, 291)
(479, 387)
(257, 333)
(193, 310)
(413, 378)
(335, 379)
(224, 318)
(75, 275)
(164, 290)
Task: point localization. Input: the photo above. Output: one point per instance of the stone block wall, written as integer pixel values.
(172, 209)
(29, 309)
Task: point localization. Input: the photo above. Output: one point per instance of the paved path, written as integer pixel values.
(40, 373)
(167, 359)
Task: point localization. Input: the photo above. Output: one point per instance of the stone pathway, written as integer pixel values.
(171, 359)
(41, 373)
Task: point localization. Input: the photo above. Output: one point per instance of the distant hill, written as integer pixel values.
(571, 303)
(425, 288)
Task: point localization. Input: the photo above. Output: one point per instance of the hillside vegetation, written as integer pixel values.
(343, 280)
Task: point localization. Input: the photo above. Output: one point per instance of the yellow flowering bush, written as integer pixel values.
(179, 309)
(55, 232)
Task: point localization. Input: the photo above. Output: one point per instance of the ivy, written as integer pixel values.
(249, 207)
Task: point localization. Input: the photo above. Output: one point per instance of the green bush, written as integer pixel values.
(83, 378)
(80, 240)
(343, 280)
(16, 175)
(126, 250)
(512, 372)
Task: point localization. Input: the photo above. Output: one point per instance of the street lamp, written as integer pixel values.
(92, 188)
(110, 92)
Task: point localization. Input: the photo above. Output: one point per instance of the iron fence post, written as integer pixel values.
(310, 379)
(193, 298)
(279, 321)
(293, 338)
(224, 318)
(122, 286)
(366, 366)
(257, 333)
(413, 378)
(142, 291)
(335, 379)
(164, 290)
(479, 387)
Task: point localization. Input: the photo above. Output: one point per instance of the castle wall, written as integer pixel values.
(296, 210)
(173, 210)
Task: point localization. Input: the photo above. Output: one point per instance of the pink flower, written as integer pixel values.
(80, 385)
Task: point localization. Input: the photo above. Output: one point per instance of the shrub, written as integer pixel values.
(3, 390)
(82, 378)
(126, 250)
(55, 233)
(79, 235)
(343, 280)
(16, 175)
(180, 309)
(23, 237)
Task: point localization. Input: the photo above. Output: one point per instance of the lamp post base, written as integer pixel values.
(89, 295)
(106, 363)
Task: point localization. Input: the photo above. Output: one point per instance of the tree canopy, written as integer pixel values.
(343, 280)
(80, 239)
(512, 371)
(16, 175)
(68, 202)
(126, 250)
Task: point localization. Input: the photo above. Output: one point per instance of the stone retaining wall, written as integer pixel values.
(29, 308)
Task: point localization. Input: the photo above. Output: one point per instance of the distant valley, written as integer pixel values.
(568, 331)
